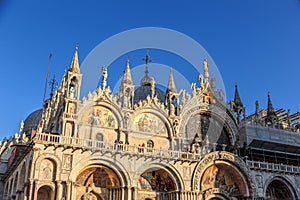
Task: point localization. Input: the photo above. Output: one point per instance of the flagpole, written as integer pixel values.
(46, 84)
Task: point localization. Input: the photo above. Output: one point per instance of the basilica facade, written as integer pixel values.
(143, 143)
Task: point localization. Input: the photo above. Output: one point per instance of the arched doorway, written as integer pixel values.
(224, 181)
(278, 190)
(155, 183)
(217, 197)
(97, 183)
(91, 196)
(45, 192)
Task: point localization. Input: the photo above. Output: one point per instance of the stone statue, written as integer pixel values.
(205, 69)
(183, 93)
(104, 77)
(213, 84)
(200, 78)
(172, 109)
(193, 87)
(21, 127)
(152, 87)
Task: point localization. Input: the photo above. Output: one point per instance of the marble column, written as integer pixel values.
(73, 192)
(68, 195)
(58, 190)
(30, 192)
(134, 193)
(35, 190)
(128, 193)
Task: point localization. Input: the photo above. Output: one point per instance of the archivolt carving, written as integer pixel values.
(47, 170)
(151, 120)
(217, 113)
(111, 116)
(212, 158)
(45, 164)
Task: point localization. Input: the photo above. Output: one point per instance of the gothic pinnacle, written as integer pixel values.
(74, 66)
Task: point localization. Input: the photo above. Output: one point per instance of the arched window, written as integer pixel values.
(10, 186)
(73, 88)
(150, 144)
(278, 190)
(99, 137)
(6, 189)
(15, 183)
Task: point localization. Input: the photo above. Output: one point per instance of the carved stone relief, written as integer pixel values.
(67, 161)
(47, 170)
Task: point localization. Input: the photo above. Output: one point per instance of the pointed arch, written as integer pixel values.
(16, 178)
(22, 176)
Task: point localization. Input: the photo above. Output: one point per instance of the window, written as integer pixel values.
(150, 144)
(99, 137)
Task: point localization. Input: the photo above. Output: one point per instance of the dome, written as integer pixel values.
(146, 80)
(32, 121)
(141, 93)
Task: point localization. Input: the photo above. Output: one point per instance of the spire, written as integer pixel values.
(127, 74)
(238, 107)
(74, 67)
(271, 109)
(237, 98)
(271, 115)
(171, 84)
(126, 89)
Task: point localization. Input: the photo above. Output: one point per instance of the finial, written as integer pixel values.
(76, 47)
(127, 60)
(236, 84)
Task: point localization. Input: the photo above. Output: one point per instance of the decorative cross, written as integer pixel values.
(147, 59)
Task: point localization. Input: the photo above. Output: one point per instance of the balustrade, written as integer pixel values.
(94, 145)
(259, 165)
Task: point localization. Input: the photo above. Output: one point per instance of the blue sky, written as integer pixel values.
(253, 42)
